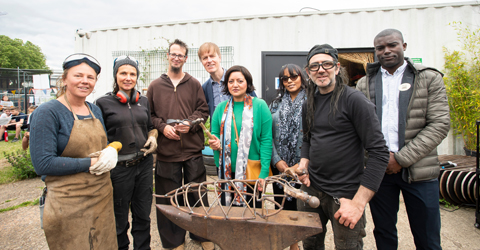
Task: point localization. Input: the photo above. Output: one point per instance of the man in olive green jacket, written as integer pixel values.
(412, 106)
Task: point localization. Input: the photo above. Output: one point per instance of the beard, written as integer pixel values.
(176, 70)
(326, 82)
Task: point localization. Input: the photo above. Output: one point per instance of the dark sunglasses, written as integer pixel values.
(78, 58)
(293, 78)
(325, 65)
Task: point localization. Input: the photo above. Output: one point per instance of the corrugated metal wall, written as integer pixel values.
(425, 29)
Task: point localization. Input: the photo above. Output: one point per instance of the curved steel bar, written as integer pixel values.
(249, 212)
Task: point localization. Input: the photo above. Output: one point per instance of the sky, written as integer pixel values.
(51, 24)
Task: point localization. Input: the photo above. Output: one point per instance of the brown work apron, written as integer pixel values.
(79, 207)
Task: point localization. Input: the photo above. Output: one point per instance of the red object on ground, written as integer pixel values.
(6, 136)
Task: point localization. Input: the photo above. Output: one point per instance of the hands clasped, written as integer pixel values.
(171, 133)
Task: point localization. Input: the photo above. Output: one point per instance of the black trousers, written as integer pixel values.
(168, 176)
(132, 189)
(423, 211)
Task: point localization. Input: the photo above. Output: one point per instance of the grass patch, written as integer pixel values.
(10, 147)
(24, 204)
(7, 172)
(7, 175)
(21, 164)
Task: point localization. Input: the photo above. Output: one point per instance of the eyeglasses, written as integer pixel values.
(124, 57)
(325, 65)
(78, 58)
(173, 56)
(293, 78)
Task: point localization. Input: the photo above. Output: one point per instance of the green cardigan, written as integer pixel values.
(261, 145)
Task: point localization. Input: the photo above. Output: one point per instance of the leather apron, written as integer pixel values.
(79, 207)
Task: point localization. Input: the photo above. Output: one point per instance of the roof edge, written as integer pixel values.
(293, 14)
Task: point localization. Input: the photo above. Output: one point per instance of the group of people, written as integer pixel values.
(317, 125)
(18, 121)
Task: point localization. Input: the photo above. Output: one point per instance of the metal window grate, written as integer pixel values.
(153, 63)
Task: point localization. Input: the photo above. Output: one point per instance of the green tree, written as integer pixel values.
(462, 81)
(15, 53)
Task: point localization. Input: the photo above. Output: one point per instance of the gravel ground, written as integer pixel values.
(20, 228)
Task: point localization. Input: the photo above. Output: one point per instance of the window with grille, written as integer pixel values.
(153, 63)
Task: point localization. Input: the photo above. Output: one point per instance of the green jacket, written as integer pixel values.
(261, 145)
(426, 120)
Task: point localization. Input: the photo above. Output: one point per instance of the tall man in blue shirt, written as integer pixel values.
(209, 55)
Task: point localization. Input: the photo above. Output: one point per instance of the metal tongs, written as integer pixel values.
(185, 121)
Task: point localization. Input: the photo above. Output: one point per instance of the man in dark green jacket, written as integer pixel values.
(413, 110)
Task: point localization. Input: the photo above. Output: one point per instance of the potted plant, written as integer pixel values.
(462, 81)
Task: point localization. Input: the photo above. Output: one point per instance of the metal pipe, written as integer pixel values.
(477, 178)
(25, 94)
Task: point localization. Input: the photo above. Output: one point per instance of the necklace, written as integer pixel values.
(235, 125)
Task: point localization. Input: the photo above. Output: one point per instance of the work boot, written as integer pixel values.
(208, 245)
(181, 247)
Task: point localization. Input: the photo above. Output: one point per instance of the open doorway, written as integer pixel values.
(355, 62)
(353, 59)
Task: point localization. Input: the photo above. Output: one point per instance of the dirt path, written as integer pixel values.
(20, 228)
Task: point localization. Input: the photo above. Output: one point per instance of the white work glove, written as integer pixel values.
(107, 159)
(151, 144)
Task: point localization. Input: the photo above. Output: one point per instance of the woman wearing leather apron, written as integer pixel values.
(127, 118)
(69, 149)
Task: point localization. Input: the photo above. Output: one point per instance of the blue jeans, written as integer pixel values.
(422, 205)
(344, 237)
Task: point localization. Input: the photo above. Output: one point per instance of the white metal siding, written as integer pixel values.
(425, 29)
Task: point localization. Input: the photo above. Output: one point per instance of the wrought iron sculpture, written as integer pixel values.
(245, 227)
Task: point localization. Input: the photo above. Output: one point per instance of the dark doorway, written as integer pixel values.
(272, 61)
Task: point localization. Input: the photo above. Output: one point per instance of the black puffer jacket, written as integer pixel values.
(128, 123)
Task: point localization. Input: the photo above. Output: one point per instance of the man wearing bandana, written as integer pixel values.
(339, 124)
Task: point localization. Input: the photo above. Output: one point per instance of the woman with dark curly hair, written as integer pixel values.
(244, 125)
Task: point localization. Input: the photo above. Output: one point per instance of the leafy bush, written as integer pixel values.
(462, 81)
(21, 164)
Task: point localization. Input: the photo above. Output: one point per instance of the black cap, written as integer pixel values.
(322, 49)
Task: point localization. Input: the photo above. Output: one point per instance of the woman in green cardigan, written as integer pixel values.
(244, 126)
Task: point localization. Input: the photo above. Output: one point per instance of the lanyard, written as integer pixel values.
(235, 125)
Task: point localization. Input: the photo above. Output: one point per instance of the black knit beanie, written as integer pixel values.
(322, 49)
(124, 61)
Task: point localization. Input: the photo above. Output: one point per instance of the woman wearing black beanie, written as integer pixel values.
(127, 119)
